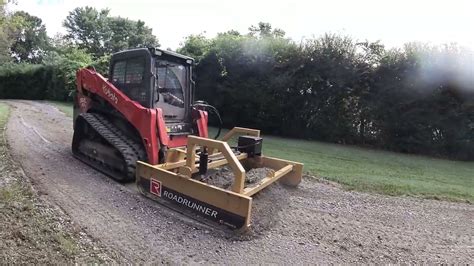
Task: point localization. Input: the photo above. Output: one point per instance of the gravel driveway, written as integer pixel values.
(316, 223)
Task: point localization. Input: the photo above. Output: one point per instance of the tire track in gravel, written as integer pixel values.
(317, 222)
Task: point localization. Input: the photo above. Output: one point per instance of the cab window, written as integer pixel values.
(129, 72)
(119, 72)
(134, 71)
(128, 76)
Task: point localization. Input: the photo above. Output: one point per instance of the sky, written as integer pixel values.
(392, 22)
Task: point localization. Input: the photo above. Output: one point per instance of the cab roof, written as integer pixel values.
(152, 51)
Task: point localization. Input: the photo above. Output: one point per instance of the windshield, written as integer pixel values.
(171, 83)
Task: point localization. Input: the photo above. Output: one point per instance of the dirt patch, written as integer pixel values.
(33, 231)
(314, 223)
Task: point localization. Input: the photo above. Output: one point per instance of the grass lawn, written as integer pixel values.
(3, 115)
(377, 171)
(371, 170)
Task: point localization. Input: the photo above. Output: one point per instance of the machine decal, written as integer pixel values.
(190, 204)
(198, 207)
(155, 187)
(84, 102)
(109, 93)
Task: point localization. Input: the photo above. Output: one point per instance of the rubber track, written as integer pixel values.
(130, 151)
(137, 148)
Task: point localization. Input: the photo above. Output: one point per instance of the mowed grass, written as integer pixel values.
(377, 171)
(370, 170)
(3, 114)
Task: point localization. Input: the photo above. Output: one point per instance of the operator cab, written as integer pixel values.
(156, 78)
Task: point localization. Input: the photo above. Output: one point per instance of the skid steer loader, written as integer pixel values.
(142, 124)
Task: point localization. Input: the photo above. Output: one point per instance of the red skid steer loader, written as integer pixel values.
(142, 124)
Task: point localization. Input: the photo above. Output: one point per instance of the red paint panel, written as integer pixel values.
(202, 124)
(162, 127)
(143, 119)
(178, 141)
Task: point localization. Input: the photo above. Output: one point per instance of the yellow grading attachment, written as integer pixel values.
(173, 182)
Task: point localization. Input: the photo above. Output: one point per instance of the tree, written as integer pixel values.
(9, 26)
(195, 46)
(64, 62)
(264, 29)
(126, 33)
(368, 60)
(31, 40)
(88, 28)
(101, 34)
(236, 72)
(4, 40)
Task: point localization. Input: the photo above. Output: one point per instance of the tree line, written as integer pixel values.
(414, 99)
(35, 66)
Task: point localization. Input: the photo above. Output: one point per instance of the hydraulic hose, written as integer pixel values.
(207, 107)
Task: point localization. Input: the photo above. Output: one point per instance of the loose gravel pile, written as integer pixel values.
(223, 177)
(266, 205)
